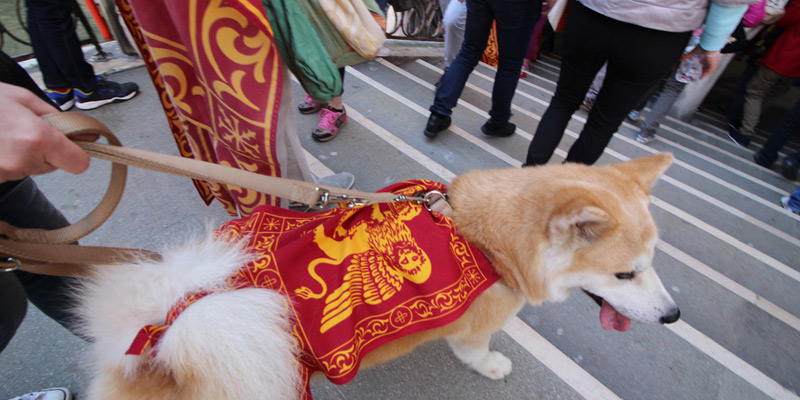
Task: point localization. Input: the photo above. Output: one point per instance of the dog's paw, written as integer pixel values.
(495, 365)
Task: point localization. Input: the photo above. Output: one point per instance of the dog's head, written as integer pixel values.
(556, 228)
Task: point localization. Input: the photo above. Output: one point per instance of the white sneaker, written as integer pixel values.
(47, 394)
(644, 139)
(785, 204)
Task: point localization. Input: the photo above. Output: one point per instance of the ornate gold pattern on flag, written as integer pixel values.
(219, 77)
(394, 269)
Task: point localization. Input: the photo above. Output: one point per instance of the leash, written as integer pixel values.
(48, 252)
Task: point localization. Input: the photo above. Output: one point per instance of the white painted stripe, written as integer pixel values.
(727, 238)
(757, 181)
(723, 206)
(731, 361)
(685, 125)
(568, 370)
(728, 283)
(317, 167)
(399, 144)
(753, 179)
(563, 366)
(708, 199)
(462, 103)
(634, 127)
(419, 109)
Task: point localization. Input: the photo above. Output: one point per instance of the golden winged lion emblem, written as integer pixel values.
(382, 254)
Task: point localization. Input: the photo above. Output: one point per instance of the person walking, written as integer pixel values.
(515, 21)
(640, 42)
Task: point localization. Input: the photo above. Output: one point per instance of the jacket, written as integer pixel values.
(663, 15)
(784, 56)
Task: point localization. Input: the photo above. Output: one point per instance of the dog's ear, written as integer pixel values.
(583, 223)
(645, 170)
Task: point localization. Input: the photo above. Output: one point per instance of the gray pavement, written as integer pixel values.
(728, 253)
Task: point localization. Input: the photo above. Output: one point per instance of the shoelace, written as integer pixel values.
(309, 100)
(328, 119)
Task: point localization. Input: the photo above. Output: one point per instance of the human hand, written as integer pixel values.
(28, 144)
(710, 60)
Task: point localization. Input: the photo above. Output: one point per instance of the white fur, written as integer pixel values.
(119, 300)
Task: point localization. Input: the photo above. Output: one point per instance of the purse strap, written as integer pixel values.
(47, 251)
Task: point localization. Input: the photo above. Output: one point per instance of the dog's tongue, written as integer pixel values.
(611, 319)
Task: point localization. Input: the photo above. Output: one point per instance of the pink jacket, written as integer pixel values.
(755, 14)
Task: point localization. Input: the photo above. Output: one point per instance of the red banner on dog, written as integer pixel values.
(355, 278)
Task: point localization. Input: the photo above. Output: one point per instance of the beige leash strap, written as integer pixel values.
(294, 190)
(46, 252)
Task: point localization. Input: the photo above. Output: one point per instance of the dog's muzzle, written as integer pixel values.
(666, 319)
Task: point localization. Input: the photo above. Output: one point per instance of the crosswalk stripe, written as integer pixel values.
(568, 370)
(697, 339)
(735, 364)
(759, 255)
(563, 366)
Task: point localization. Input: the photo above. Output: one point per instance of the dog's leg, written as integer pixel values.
(474, 351)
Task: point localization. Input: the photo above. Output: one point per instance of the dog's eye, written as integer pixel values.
(625, 275)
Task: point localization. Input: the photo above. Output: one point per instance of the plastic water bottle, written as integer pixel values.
(690, 70)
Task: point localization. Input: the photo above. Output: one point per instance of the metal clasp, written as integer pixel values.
(10, 264)
(427, 199)
(344, 200)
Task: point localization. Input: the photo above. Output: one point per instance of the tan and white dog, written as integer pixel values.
(548, 230)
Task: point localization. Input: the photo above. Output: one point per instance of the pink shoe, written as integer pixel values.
(309, 105)
(329, 124)
(524, 72)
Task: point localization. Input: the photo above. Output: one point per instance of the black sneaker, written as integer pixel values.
(499, 129)
(789, 168)
(737, 137)
(761, 160)
(63, 98)
(436, 124)
(105, 92)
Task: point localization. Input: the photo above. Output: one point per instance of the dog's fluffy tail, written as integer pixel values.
(227, 345)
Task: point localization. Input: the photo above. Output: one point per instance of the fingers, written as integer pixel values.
(28, 144)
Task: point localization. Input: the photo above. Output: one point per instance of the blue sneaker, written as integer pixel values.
(62, 98)
(105, 92)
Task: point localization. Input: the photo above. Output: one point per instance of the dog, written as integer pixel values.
(547, 230)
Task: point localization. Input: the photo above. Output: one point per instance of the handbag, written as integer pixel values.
(338, 49)
(359, 25)
(302, 50)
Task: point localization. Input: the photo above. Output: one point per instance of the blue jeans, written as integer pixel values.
(672, 90)
(794, 200)
(515, 21)
(780, 136)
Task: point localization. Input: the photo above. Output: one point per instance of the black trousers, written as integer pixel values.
(57, 46)
(638, 59)
(24, 206)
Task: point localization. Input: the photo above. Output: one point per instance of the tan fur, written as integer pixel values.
(547, 229)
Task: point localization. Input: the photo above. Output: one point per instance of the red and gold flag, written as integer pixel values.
(218, 74)
(355, 278)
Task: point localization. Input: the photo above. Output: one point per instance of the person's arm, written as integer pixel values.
(721, 20)
(791, 15)
(28, 144)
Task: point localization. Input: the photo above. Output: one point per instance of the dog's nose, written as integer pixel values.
(671, 317)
